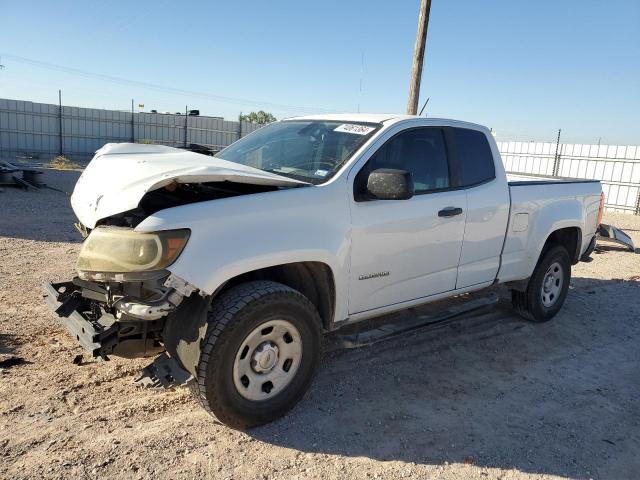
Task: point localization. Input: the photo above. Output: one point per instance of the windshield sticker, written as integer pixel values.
(321, 173)
(351, 128)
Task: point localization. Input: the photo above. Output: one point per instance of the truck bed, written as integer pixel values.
(540, 205)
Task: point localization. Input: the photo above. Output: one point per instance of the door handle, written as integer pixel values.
(450, 212)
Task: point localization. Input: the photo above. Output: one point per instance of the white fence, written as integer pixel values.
(616, 166)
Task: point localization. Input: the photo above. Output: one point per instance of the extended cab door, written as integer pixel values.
(403, 250)
(480, 173)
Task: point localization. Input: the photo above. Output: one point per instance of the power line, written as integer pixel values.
(161, 88)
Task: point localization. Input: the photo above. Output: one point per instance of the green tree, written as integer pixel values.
(261, 118)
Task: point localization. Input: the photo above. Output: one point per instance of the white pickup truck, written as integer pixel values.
(235, 266)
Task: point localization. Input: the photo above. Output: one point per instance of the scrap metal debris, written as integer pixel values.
(30, 179)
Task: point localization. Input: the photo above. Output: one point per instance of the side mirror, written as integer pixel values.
(390, 184)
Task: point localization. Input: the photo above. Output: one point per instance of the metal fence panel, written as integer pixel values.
(32, 130)
(616, 166)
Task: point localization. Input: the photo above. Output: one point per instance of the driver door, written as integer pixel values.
(404, 250)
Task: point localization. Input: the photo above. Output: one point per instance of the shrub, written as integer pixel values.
(63, 163)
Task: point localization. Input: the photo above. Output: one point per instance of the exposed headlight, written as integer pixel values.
(110, 249)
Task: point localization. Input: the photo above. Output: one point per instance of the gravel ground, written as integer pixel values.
(486, 397)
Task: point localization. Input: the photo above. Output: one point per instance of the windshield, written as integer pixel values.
(309, 150)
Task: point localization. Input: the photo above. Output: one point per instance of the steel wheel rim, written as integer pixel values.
(552, 284)
(267, 360)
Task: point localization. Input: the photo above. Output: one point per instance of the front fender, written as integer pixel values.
(185, 330)
(242, 234)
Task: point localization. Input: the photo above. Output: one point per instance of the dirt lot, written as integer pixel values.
(486, 397)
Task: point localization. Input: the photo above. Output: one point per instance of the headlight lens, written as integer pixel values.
(110, 249)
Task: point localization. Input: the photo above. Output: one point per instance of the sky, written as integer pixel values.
(523, 68)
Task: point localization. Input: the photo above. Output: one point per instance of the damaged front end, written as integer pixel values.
(85, 312)
(119, 302)
(124, 319)
(128, 319)
(125, 301)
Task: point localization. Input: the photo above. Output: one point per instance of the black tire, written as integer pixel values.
(234, 315)
(529, 304)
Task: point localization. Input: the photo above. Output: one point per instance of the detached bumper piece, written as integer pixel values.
(78, 305)
(613, 234)
(164, 372)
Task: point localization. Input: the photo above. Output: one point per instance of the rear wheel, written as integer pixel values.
(547, 288)
(261, 351)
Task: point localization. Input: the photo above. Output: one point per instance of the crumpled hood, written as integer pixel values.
(120, 174)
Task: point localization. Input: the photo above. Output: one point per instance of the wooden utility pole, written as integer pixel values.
(418, 56)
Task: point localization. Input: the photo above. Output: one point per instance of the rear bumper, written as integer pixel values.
(613, 234)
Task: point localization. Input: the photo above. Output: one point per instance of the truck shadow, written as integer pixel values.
(7, 345)
(492, 390)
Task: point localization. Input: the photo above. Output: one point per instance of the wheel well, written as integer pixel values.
(313, 279)
(570, 238)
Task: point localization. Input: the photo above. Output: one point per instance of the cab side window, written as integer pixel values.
(475, 160)
(420, 151)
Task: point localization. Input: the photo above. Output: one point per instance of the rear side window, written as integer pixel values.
(475, 161)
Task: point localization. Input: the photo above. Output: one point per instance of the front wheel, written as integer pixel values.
(547, 288)
(261, 351)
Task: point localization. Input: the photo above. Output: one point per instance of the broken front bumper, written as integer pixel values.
(106, 335)
(97, 337)
(97, 331)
